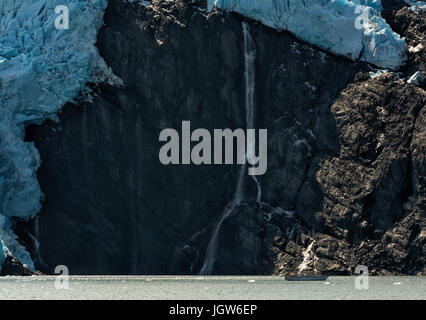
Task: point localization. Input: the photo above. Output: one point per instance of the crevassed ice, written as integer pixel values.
(354, 29)
(2, 253)
(41, 69)
(415, 3)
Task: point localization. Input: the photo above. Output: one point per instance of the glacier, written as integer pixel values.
(416, 4)
(2, 253)
(350, 28)
(41, 69)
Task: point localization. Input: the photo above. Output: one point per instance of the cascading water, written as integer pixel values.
(36, 241)
(249, 77)
(249, 74)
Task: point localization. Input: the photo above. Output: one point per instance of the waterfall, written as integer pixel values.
(36, 240)
(249, 79)
(249, 75)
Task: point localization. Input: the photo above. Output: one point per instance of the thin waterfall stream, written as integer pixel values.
(249, 78)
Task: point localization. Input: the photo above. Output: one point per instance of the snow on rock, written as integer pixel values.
(415, 79)
(308, 259)
(351, 28)
(41, 69)
(416, 49)
(378, 73)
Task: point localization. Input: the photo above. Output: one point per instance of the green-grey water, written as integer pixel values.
(219, 288)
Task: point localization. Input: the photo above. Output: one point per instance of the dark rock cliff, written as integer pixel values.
(345, 183)
(13, 267)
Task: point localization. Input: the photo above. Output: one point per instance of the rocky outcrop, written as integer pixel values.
(362, 206)
(345, 183)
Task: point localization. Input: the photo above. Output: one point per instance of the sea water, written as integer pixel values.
(210, 287)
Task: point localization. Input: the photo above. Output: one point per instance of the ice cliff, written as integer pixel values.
(416, 4)
(2, 253)
(351, 28)
(41, 69)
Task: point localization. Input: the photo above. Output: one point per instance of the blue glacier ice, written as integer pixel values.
(41, 69)
(351, 28)
(2, 254)
(416, 5)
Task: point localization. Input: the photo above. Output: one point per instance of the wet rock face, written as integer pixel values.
(241, 248)
(12, 267)
(346, 167)
(114, 207)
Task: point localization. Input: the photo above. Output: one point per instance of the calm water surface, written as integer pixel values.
(221, 288)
